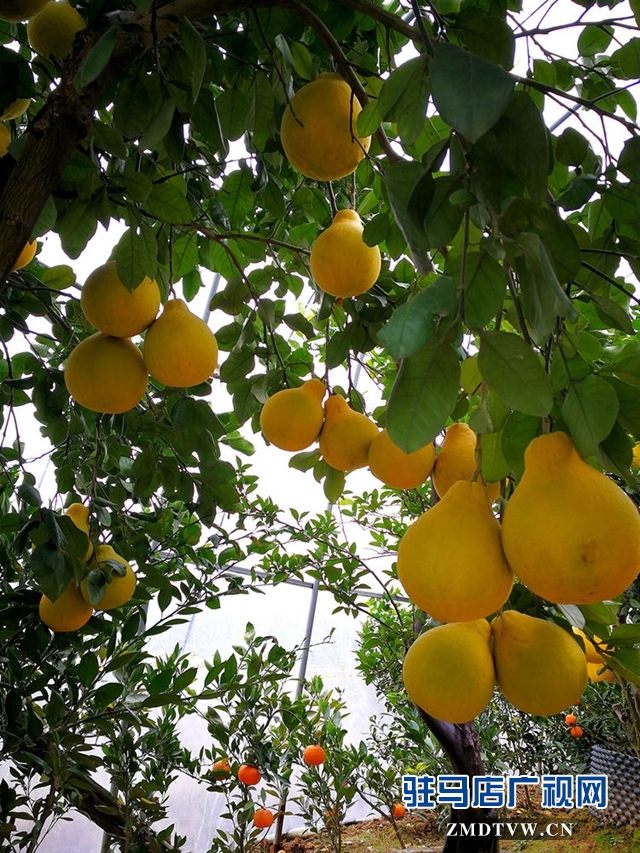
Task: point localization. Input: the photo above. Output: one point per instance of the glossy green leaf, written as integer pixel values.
(485, 287)
(333, 484)
(95, 60)
(469, 92)
(629, 160)
(423, 395)
(136, 255)
(410, 188)
(594, 39)
(494, 465)
(516, 435)
(590, 409)
(403, 98)
(572, 147)
(50, 569)
(412, 324)
(514, 371)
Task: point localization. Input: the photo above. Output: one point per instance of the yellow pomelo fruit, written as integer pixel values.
(540, 668)
(456, 460)
(635, 462)
(114, 309)
(52, 31)
(26, 255)
(591, 652)
(179, 348)
(396, 468)
(292, 418)
(597, 673)
(318, 130)
(450, 560)
(346, 435)
(20, 10)
(5, 139)
(120, 589)
(15, 109)
(569, 532)
(68, 612)
(449, 672)
(106, 374)
(341, 262)
(79, 514)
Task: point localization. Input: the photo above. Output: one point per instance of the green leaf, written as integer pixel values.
(333, 485)
(423, 395)
(494, 466)
(469, 92)
(76, 227)
(577, 192)
(489, 36)
(159, 126)
(338, 348)
(594, 39)
(516, 435)
(95, 61)
(521, 138)
(513, 370)
(403, 98)
(302, 60)
(237, 197)
(196, 50)
(590, 409)
(50, 569)
(543, 299)
(410, 189)
(612, 314)
(167, 201)
(629, 160)
(626, 60)
(443, 218)
(412, 324)
(59, 277)
(571, 147)
(136, 255)
(485, 287)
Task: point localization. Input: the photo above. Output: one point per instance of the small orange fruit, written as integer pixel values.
(263, 818)
(221, 768)
(576, 731)
(249, 774)
(314, 755)
(341, 263)
(570, 720)
(398, 810)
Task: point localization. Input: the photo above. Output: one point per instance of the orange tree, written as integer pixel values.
(501, 186)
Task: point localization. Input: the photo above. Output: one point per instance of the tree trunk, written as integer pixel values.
(462, 747)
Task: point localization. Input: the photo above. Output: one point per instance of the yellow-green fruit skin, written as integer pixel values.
(120, 589)
(106, 374)
(114, 309)
(20, 10)
(52, 31)
(68, 612)
(449, 672)
(15, 109)
(318, 129)
(457, 461)
(341, 263)
(346, 435)
(79, 514)
(396, 468)
(569, 532)
(5, 139)
(292, 418)
(540, 668)
(180, 350)
(27, 254)
(450, 560)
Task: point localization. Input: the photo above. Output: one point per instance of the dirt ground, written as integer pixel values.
(420, 833)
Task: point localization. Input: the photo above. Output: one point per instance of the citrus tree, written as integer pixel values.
(471, 246)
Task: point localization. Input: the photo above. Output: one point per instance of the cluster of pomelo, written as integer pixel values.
(294, 418)
(109, 582)
(569, 533)
(320, 140)
(107, 372)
